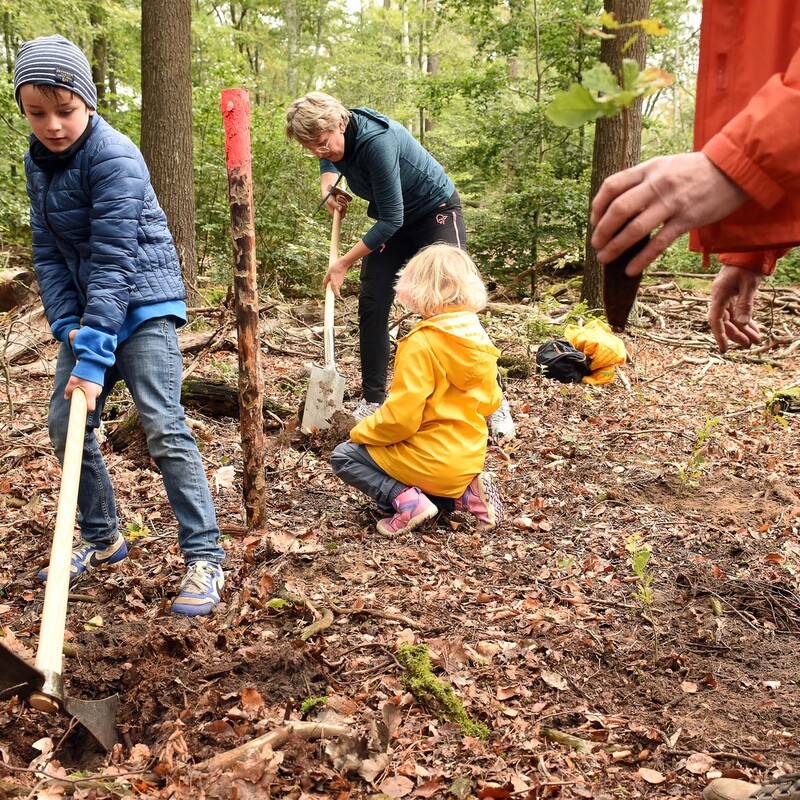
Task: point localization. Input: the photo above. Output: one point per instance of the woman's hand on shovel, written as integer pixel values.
(335, 275)
(91, 390)
(337, 203)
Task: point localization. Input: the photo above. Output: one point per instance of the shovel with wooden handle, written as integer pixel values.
(42, 684)
(326, 385)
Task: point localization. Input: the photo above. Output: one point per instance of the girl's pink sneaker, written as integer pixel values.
(413, 508)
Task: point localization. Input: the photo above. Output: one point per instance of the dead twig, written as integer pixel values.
(307, 731)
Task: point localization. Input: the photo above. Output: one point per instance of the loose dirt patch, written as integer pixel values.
(540, 628)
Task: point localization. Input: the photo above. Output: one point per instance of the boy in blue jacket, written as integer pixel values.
(111, 285)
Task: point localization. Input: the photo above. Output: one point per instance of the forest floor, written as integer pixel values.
(597, 672)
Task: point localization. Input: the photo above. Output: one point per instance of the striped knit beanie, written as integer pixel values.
(54, 61)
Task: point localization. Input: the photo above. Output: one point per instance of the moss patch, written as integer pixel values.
(437, 696)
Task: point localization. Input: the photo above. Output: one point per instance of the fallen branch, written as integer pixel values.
(538, 266)
(576, 743)
(308, 731)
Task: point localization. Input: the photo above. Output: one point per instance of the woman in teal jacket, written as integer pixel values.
(412, 200)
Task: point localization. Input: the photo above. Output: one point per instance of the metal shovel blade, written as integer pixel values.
(323, 399)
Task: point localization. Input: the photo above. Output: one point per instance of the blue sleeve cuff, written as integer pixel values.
(94, 350)
(61, 328)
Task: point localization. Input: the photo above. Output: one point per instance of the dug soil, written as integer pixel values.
(630, 630)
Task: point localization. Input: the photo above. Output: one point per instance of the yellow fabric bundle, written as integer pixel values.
(604, 349)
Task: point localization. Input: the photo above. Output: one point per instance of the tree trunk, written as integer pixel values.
(612, 134)
(97, 18)
(167, 139)
(292, 46)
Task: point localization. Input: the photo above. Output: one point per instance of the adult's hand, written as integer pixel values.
(335, 275)
(678, 193)
(336, 201)
(730, 314)
(90, 389)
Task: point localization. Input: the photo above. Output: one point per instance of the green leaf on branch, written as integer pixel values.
(600, 95)
(573, 108)
(630, 73)
(601, 79)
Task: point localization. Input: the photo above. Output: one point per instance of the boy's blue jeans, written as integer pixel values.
(353, 464)
(150, 363)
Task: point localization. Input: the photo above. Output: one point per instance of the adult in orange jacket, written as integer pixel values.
(738, 192)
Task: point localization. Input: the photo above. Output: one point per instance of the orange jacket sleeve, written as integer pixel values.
(759, 147)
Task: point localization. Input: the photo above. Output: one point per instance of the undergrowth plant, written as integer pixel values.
(639, 553)
(690, 472)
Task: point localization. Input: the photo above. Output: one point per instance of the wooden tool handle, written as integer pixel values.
(49, 656)
(330, 297)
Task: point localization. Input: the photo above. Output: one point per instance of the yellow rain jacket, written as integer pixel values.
(604, 349)
(431, 430)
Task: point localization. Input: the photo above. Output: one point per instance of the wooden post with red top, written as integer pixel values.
(235, 106)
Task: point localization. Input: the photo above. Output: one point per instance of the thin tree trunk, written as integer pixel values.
(618, 140)
(97, 18)
(167, 137)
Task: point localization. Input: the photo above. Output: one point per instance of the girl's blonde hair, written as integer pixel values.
(308, 117)
(439, 277)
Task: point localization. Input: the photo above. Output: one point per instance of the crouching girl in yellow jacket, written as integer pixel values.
(423, 450)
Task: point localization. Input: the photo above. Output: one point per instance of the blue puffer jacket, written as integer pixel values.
(102, 250)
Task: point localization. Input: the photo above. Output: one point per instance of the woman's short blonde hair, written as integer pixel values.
(308, 117)
(440, 277)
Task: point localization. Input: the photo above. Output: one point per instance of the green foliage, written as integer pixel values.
(788, 270)
(311, 706)
(137, 528)
(524, 182)
(690, 472)
(639, 559)
(599, 94)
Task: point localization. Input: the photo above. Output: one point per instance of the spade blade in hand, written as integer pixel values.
(619, 289)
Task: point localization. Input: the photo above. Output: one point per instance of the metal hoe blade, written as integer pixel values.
(45, 693)
(41, 684)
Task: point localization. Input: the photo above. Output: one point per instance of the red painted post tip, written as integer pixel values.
(235, 107)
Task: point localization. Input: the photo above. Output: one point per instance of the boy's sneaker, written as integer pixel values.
(87, 556)
(787, 787)
(200, 589)
(501, 424)
(482, 499)
(364, 409)
(413, 508)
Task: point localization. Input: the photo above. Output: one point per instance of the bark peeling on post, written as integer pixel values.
(235, 106)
